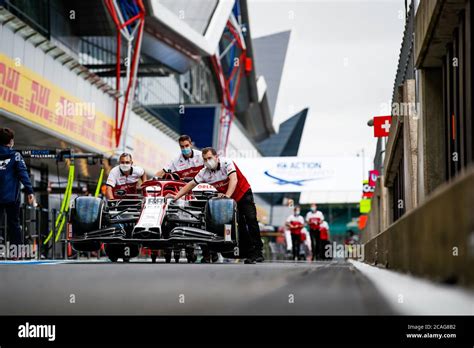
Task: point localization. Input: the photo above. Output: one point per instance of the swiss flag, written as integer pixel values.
(382, 126)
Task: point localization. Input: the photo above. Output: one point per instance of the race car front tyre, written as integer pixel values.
(221, 212)
(86, 216)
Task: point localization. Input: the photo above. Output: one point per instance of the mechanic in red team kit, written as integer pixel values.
(295, 223)
(124, 177)
(225, 176)
(187, 164)
(314, 218)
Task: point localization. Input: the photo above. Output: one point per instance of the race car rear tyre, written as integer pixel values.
(220, 212)
(113, 258)
(126, 259)
(177, 256)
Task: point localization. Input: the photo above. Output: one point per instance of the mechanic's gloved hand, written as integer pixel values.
(222, 195)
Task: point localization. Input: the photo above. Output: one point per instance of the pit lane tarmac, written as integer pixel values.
(225, 288)
(143, 288)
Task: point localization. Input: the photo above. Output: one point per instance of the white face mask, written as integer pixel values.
(125, 167)
(313, 209)
(211, 164)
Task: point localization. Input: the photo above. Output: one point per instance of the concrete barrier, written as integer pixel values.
(434, 240)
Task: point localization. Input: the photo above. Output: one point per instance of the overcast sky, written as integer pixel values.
(341, 63)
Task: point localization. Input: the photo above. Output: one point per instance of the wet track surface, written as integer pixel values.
(318, 288)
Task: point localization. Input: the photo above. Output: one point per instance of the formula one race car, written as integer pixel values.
(150, 220)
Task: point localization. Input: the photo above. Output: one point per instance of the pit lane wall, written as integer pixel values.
(44, 88)
(434, 240)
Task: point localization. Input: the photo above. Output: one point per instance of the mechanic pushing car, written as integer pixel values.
(225, 176)
(124, 177)
(187, 164)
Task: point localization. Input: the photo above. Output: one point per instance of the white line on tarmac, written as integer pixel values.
(409, 295)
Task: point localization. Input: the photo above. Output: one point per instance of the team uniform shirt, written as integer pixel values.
(295, 220)
(119, 181)
(13, 171)
(219, 178)
(324, 228)
(186, 167)
(314, 219)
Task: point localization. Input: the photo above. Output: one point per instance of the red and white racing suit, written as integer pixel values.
(186, 167)
(324, 228)
(325, 243)
(296, 224)
(314, 220)
(219, 178)
(119, 181)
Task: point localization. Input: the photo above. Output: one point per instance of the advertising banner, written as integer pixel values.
(365, 205)
(373, 176)
(30, 96)
(367, 190)
(302, 174)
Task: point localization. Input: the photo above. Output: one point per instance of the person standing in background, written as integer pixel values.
(325, 243)
(13, 171)
(314, 218)
(295, 223)
(124, 177)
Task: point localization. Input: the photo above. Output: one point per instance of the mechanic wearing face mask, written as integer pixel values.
(187, 164)
(314, 218)
(225, 176)
(124, 177)
(295, 223)
(12, 172)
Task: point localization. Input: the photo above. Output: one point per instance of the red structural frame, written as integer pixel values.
(229, 97)
(140, 17)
